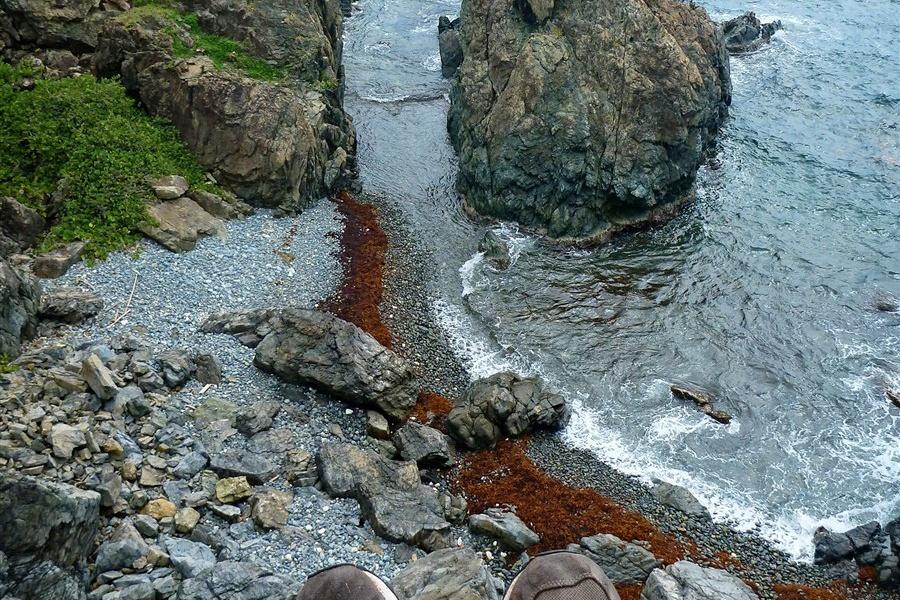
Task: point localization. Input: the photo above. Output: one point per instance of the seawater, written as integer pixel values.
(762, 291)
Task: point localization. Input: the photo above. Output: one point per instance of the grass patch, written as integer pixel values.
(5, 366)
(224, 52)
(88, 139)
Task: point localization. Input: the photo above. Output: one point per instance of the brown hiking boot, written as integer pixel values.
(345, 582)
(561, 576)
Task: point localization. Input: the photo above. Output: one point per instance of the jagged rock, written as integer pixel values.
(233, 463)
(177, 367)
(623, 562)
(190, 465)
(400, 515)
(581, 119)
(57, 262)
(256, 417)
(703, 399)
(505, 404)
(43, 580)
(52, 521)
(269, 508)
(72, 24)
(449, 46)
(232, 489)
(831, 547)
(146, 525)
(209, 369)
(120, 551)
(679, 498)
(170, 187)
(746, 33)
(299, 467)
(312, 347)
(65, 439)
(20, 226)
(390, 494)
(450, 574)
(180, 223)
(69, 305)
(271, 143)
(220, 207)
(272, 441)
(19, 297)
(98, 377)
(495, 250)
(189, 558)
(505, 527)
(455, 508)
(231, 580)
(377, 425)
(685, 580)
(424, 445)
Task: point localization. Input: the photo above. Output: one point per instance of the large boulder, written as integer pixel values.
(450, 574)
(747, 33)
(19, 298)
(623, 562)
(505, 404)
(390, 494)
(685, 580)
(47, 520)
(315, 348)
(20, 226)
(506, 527)
(425, 445)
(231, 580)
(449, 46)
(579, 119)
(273, 143)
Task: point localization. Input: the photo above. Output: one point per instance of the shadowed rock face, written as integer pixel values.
(19, 299)
(578, 119)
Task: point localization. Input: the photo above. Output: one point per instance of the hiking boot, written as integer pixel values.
(561, 576)
(345, 582)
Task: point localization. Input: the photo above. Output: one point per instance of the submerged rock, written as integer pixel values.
(703, 399)
(505, 404)
(746, 33)
(581, 119)
(495, 250)
(316, 348)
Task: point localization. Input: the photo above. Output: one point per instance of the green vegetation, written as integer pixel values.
(5, 367)
(85, 141)
(222, 51)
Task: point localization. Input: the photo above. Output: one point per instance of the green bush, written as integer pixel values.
(87, 139)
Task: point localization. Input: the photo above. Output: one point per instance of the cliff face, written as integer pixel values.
(579, 118)
(276, 140)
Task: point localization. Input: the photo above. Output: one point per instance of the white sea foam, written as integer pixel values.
(469, 275)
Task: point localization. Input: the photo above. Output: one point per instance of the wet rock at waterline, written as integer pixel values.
(448, 43)
(577, 120)
(746, 33)
(505, 404)
(868, 545)
(679, 498)
(703, 399)
(316, 348)
(495, 250)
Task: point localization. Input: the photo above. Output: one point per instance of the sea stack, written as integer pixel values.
(579, 119)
